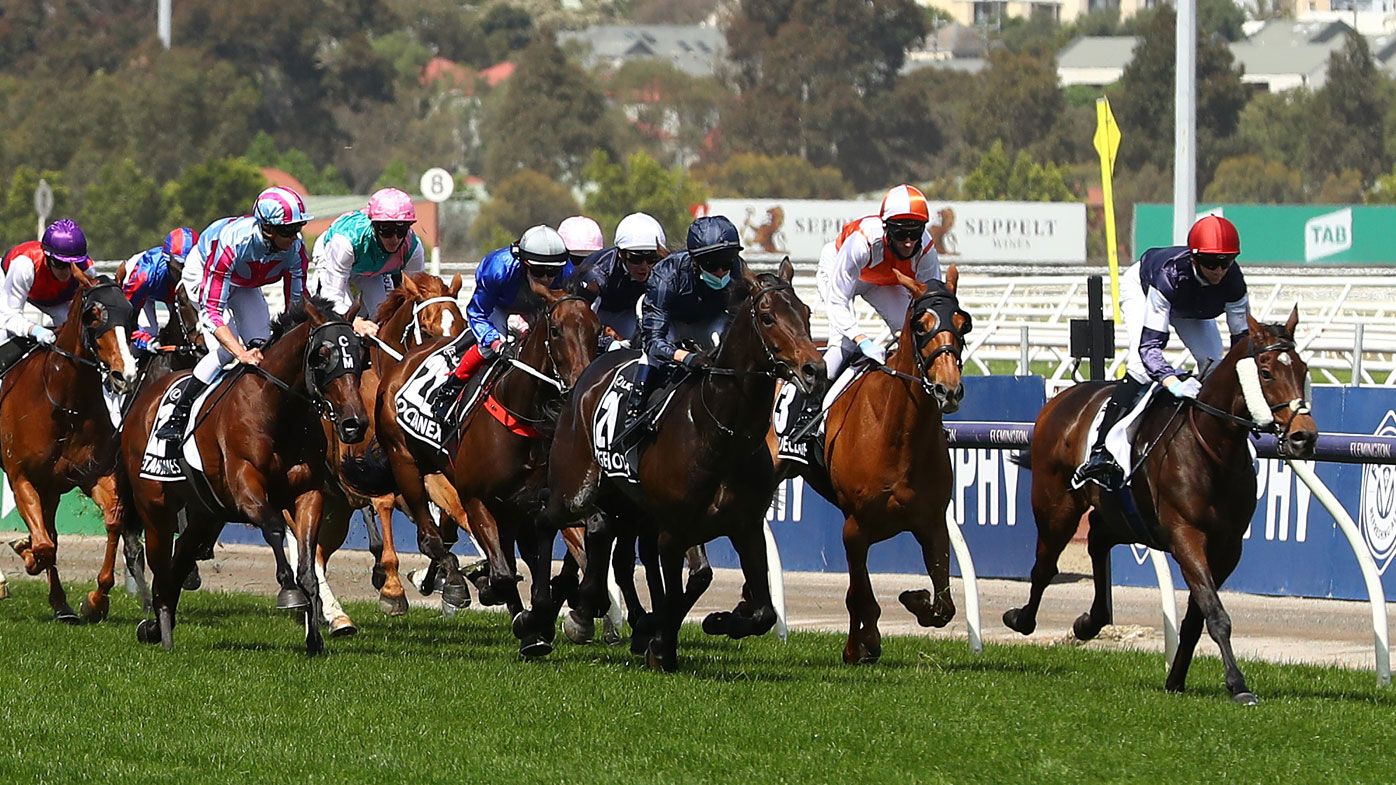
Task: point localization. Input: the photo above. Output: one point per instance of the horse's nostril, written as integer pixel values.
(811, 371)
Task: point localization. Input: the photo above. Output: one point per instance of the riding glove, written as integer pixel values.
(696, 360)
(1185, 388)
(873, 350)
(43, 335)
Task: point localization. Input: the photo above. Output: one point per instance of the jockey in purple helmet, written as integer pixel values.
(146, 278)
(363, 249)
(225, 274)
(40, 273)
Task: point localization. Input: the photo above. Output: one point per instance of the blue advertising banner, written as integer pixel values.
(1293, 546)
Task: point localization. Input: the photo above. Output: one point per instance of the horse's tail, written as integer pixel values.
(1021, 458)
(370, 473)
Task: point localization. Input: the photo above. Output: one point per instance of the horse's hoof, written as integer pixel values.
(19, 545)
(455, 595)
(534, 647)
(656, 661)
(1014, 619)
(610, 634)
(342, 627)
(717, 623)
(292, 599)
(4, 591)
(418, 580)
(449, 611)
(577, 629)
(65, 614)
(392, 606)
(927, 611)
(93, 612)
(193, 581)
(1084, 628)
(1245, 698)
(148, 631)
(379, 577)
(869, 655)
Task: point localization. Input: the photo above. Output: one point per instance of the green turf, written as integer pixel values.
(426, 700)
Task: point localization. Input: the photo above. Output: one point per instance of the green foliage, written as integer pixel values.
(674, 112)
(18, 222)
(1022, 179)
(213, 190)
(641, 184)
(326, 180)
(1220, 17)
(523, 199)
(785, 176)
(1251, 179)
(1343, 187)
(1383, 190)
(123, 211)
(1026, 99)
(507, 30)
(1275, 126)
(1348, 128)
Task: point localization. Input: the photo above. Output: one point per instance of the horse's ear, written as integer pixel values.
(914, 287)
(410, 286)
(84, 280)
(543, 291)
(455, 284)
(316, 317)
(952, 278)
(1254, 326)
(1292, 322)
(786, 271)
(354, 310)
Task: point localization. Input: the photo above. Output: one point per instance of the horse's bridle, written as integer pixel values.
(91, 333)
(945, 306)
(414, 327)
(1297, 405)
(556, 379)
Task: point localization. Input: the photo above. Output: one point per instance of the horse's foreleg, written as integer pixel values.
(134, 551)
(1057, 520)
(95, 605)
(933, 610)
(700, 576)
(663, 653)
(536, 628)
(39, 550)
(1189, 632)
(374, 529)
(159, 550)
(749, 541)
(1204, 569)
(864, 643)
(1089, 624)
(392, 598)
(57, 597)
(308, 513)
(501, 585)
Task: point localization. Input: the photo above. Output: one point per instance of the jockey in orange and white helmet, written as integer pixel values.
(860, 263)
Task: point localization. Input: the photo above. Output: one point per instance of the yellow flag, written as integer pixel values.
(1107, 143)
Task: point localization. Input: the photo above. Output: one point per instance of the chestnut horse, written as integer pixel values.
(889, 463)
(705, 474)
(1194, 488)
(264, 460)
(495, 469)
(56, 433)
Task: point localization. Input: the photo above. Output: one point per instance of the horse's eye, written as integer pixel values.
(768, 320)
(1265, 374)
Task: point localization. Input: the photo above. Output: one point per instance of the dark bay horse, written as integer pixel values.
(705, 474)
(422, 309)
(56, 433)
(889, 463)
(494, 468)
(1194, 489)
(264, 460)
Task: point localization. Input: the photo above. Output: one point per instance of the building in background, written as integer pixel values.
(992, 12)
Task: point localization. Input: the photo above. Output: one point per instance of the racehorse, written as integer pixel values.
(705, 474)
(263, 455)
(1193, 487)
(495, 461)
(57, 434)
(422, 309)
(889, 463)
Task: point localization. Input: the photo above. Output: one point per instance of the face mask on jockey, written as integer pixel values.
(714, 281)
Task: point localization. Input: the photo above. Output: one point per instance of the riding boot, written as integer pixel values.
(444, 397)
(1100, 467)
(635, 404)
(179, 418)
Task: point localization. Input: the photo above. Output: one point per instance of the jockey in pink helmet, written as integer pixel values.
(363, 250)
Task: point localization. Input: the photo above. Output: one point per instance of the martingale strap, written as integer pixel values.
(509, 420)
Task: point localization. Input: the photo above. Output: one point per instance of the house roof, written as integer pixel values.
(1282, 46)
(694, 49)
(1098, 51)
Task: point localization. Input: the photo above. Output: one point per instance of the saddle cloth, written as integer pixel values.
(791, 414)
(161, 459)
(620, 459)
(1119, 441)
(412, 402)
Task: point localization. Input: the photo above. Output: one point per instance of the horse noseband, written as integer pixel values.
(945, 306)
(346, 357)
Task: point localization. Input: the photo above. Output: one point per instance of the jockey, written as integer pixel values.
(1186, 287)
(582, 236)
(617, 276)
(234, 259)
(40, 272)
(539, 254)
(860, 261)
(686, 298)
(363, 249)
(147, 278)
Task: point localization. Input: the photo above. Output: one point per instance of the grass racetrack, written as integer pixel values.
(425, 700)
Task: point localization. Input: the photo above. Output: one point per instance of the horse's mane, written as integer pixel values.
(428, 284)
(291, 317)
(741, 288)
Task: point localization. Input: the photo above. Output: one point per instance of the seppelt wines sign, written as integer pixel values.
(990, 232)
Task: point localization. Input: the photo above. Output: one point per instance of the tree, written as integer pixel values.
(1026, 99)
(641, 184)
(1348, 129)
(675, 112)
(123, 211)
(1220, 17)
(1143, 98)
(17, 219)
(1022, 179)
(784, 176)
(814, 78)
(213, 190)
(526, 198)
(1344, 187)
(1275, 126)
(324, 180)
(1252, 179)
(550, 118)
(506, 29)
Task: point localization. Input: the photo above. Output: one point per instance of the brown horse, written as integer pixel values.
(889, 463)
(422, 309)
(57, 434)
(1193, 488)
(495, 469)
(705, 474)
(263, 455)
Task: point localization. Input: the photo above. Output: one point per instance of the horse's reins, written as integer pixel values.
(775, 362)
(414, 327)
(1296, 406)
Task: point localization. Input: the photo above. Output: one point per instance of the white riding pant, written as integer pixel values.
(372, 289)
(890, 302)
(1200, 336)
(248, 317)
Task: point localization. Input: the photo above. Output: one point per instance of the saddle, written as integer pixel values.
(798, 418)
(168, 460)
(413, 400)
(617, 440)
(14, 350)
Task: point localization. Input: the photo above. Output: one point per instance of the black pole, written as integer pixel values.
(1095, 317)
